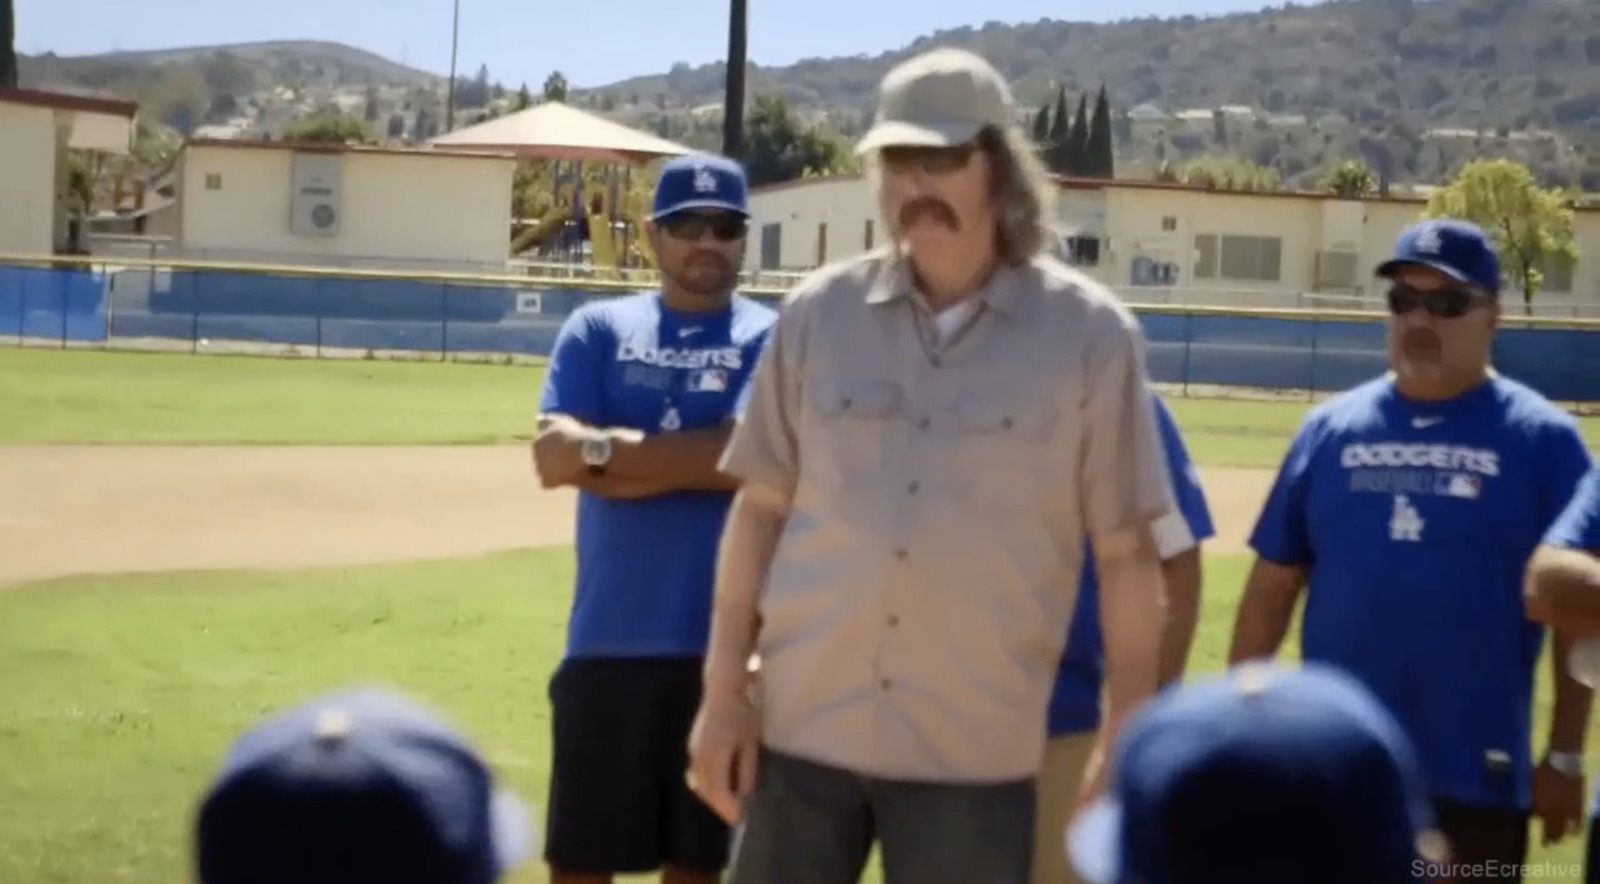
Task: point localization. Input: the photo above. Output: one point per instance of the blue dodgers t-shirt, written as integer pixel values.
(1075, 701)
(646, 566)
(1414, 522)
(1579, 525)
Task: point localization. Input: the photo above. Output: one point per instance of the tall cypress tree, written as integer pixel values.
(8, 44)
(1056, 152)
(1078, 140)
(1041, 127)
(1101, 161)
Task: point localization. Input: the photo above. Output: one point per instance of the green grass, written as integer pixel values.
(122, 693)
(51, 396)
(55, 397)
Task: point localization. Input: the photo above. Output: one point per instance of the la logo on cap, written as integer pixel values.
(1428, 241)
(704, 181)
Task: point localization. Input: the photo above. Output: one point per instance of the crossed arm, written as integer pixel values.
(640, 466)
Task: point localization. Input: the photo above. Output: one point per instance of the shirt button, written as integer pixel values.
(884, 684)
(1005, 423)
(912, 488)
(922, 424)
(846, 402)
(937, 362)
(894, 620)
(901, 554)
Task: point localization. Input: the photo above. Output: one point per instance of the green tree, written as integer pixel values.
(1350, 179)
(223, 106)
(1222, 172)
(555, 87)
(225, 72)
(1060, 123)
(778, 149)
(1077, 152)
(524, 98)
(327, 129)
(427, 125)
(1100, 153)
(1529, 224)
(154, 147)
(1041, 127)
(8, 44)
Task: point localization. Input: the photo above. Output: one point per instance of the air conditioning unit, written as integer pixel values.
(315, 200)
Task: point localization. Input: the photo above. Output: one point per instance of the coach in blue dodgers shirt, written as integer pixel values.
(1407, 509)
(1266, 775)
(355, 786)
(1563, 589)
(1563, 581)
(639, 398)
(1075, 701)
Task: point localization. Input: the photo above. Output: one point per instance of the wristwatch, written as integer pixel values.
(596, 453)
(1567, 763)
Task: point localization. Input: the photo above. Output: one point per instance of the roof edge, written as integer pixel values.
(63, 101)
(337, 148)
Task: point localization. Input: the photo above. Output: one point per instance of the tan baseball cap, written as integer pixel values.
(940, 98)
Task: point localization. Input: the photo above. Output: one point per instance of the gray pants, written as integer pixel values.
(808, 823)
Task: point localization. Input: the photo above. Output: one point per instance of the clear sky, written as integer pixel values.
(593, 42)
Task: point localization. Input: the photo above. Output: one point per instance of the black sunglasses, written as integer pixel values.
(1445, 303)
(932, 160)
(691, 226)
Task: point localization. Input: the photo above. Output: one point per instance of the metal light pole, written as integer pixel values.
(733, 97)
(450, 99)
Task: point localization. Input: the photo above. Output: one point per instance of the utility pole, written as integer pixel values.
(450, 99)
(733, 96)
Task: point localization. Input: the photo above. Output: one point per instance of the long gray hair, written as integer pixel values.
(1023, 188)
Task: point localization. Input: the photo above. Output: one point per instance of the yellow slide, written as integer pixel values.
(602, 245)
(542, 232)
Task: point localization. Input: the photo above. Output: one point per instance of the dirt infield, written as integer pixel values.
(95, 510)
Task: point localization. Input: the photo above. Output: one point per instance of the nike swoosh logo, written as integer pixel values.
(685, 332)
(1425, 422)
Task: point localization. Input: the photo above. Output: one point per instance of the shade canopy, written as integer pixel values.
(557, 131)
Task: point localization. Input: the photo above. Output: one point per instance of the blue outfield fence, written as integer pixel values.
(85, 304)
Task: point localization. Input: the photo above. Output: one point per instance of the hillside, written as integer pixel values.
(1411, 86)
(1474, 63)
(270, 63)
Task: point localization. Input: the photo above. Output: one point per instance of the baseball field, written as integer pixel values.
(189, 542)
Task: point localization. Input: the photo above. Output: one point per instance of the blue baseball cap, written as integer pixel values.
(1267, 774)
(1458, 249)
(360, 785)
(701, 181)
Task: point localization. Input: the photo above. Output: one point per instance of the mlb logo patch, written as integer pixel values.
(1464, 485)
(710, 380)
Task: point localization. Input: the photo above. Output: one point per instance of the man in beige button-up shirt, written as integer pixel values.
(932, 430)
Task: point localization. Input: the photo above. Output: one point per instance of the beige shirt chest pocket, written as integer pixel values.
(1007, 454)
(845, 440)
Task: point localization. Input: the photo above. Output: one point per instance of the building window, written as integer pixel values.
(1083, 251)
(1169, 223)
(771, 246)
(1238, 258)
(213, 181)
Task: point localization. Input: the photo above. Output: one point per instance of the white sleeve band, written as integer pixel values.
(1172, 535)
